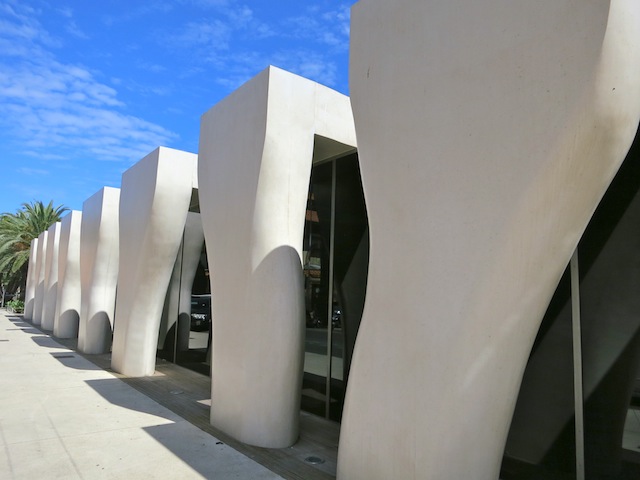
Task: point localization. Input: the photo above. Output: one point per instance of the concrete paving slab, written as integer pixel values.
(63, 417)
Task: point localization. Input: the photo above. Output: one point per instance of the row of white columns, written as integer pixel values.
(105, 271)
(487, 134)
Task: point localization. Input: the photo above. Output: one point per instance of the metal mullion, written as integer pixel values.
(577, 365)
(330, 296)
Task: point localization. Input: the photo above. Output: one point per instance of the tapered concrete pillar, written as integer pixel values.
(177, 304)
(154, 203)
(32, 274)
(98, 270)
(51, 277)
(69, 302)
(40, 285)
(256, 151)
(487, 133)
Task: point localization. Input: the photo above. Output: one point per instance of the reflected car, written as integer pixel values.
(200, 312)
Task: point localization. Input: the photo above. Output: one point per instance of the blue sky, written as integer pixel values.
(87, 88)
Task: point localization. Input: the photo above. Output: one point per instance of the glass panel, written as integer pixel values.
(610, 305)
(350, 263)
(194, 332)
(316, 277)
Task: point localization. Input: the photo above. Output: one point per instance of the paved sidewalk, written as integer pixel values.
(63, 417)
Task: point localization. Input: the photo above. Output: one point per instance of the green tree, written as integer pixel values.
(17, 230)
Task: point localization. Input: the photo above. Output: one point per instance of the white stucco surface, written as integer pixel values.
(98, 269)
(154, 203)
(51, 277)
(256, 151)
(69, 303)
(32, 274)
(488, 132)
(40, 287)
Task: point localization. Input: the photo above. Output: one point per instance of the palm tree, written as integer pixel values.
(17, 230)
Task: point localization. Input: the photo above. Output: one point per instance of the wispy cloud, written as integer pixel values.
(257, 43)
(60, 108)
(32, 171)
(328, 27)
(73, 29)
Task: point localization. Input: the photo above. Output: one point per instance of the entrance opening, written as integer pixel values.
(336, 259)
(185, 330)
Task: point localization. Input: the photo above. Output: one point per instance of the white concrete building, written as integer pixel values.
(417, 276)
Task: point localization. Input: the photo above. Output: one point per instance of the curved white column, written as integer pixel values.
(177, 304)
(69, 302)
(487, 132)
(256, 151)
(32, 274)
(51, 277)
(98, 270)
(38, 303)
(154, 203)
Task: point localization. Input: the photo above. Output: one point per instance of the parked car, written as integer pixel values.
(200, 312)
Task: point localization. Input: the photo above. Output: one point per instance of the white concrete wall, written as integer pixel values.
(488, 132)
(51, 277)
(69, 303)
(256, 149)
(98, 270)
(40, 285)
(154, 203)
(177, 303)
(32, 274)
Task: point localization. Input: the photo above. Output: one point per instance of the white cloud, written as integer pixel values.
(212, 34)
(32, 171)
(329, 28)
(74, 30)
(50, 109)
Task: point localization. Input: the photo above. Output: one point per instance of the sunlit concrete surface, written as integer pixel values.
(487, 134)
(256, 151)
(154, 202)
(32, 274)
(69, 301)
(51, 277)
(63, 417)
(40, 287)
(98, 269)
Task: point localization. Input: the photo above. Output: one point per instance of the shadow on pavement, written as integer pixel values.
(116, 392)
(75, 361)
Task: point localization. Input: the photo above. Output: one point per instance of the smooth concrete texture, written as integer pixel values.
(63, 417)
(40, 285)
(154, 203)
(177, 303)
(256, 151)
(51, 277)
(32, 274)
(487, 134)
(98, 270)
(69, 302)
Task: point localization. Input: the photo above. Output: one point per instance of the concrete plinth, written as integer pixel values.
(51, 277)
(487, 133)
(98, 270)
(256, 152)
(69, 302)
(154, 203)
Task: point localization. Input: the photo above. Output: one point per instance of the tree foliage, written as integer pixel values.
(17, 230)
